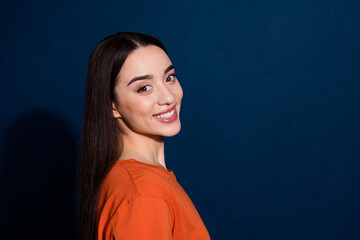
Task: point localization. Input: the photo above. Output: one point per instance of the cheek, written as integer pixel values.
(141, 106)
(178, 92)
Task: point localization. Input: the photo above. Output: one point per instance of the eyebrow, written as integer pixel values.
(139, 78)
(149, 76)
(169, 68)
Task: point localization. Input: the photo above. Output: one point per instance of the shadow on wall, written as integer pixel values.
(38, 178)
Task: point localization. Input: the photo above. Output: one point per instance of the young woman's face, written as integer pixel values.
(148, 93)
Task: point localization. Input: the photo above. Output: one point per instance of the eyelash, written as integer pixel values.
(172, 75)
(143, 89)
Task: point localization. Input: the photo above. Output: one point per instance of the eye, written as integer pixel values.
(144, 89)
(171, 78)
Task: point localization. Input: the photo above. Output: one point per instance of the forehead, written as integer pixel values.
(144, 61)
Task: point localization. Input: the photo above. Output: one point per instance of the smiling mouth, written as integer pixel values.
(165, 115)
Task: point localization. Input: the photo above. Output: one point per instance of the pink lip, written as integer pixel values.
(167, 110)
(167, 120)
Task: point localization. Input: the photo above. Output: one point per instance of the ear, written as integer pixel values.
(116, 113)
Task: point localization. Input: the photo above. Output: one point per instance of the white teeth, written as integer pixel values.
(166, 115)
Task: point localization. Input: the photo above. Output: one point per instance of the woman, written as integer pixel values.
(132, 101)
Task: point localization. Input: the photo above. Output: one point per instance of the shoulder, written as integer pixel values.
(118, 180)
(133, 179)
(133, 203)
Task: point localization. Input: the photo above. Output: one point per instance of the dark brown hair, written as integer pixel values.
(101, 143)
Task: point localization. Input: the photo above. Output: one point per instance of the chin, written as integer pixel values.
(171, 131)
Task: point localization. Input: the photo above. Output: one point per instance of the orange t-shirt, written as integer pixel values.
(142, 201)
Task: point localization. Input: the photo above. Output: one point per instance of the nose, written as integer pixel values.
(166, 97)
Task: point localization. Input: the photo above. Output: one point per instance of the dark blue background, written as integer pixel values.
(269, 147)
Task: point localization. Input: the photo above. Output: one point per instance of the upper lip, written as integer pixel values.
(166, 111)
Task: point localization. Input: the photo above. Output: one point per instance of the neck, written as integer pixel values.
(144, 148)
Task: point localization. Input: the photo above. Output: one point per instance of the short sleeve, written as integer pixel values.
(145, 218)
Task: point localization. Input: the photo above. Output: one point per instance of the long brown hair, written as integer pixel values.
(101, 143)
